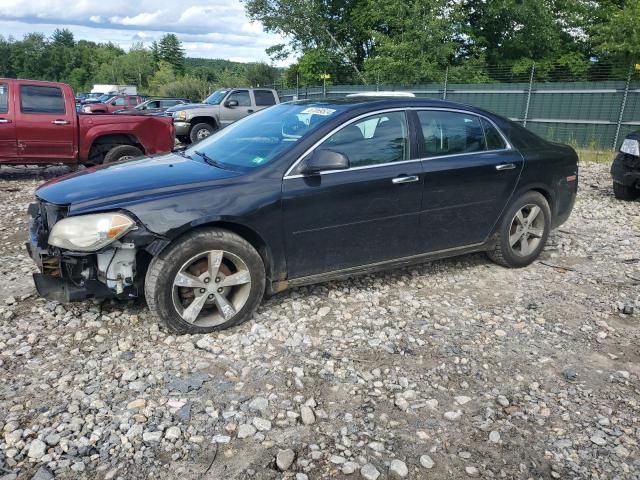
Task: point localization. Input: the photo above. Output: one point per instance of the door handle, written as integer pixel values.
(60, 122)
(505, 166)
(405, 179)
(5, 120)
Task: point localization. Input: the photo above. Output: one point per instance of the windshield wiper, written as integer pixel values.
(210, 160)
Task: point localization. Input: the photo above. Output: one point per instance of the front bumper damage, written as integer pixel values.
(117, 271)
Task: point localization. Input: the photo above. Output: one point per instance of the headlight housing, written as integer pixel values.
(180, 115)
(89, 233)
(631, 147)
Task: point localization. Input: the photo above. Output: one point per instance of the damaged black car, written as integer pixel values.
(296, 194)
(625, 170)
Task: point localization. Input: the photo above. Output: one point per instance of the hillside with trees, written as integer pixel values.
(161, 69)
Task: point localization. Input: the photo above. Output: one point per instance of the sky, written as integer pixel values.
(207, 28)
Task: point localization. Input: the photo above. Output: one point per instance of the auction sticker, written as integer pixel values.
(325, 112)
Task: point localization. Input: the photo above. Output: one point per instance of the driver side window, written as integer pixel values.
(242, 96)
(375, 140)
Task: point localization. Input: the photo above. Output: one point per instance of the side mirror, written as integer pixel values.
(325, 160)
(231, 103)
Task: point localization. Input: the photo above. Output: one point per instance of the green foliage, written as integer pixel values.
(618, 36)
(187, 87)
(170, 51)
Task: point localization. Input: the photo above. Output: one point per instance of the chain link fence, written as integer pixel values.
(592, 107)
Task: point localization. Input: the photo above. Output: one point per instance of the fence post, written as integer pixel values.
(526, 110)
(446, 83)
(622, 107)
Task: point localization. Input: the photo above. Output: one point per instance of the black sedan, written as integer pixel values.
(299, 193)
(153, 106)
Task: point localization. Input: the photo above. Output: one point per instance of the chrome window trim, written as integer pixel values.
(288, 174)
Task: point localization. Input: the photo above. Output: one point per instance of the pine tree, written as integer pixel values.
(170, 51)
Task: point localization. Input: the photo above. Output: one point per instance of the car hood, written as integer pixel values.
(115, 186)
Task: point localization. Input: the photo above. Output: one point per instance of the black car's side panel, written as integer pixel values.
(339, 220)
(464, 196)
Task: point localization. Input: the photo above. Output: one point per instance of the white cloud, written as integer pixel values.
(207, 28)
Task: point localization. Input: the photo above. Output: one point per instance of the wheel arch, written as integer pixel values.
(247, 233)
(204, 119)
(103, 143)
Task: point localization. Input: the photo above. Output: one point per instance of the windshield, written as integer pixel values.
(259, 138)
(216, 97)
(105, 97)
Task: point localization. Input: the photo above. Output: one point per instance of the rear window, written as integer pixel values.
(4, 98)
(264, 98)
(451, 133)
(40, 99)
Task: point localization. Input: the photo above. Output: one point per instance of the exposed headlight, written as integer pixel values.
(631, 147)
(180, 115)
(88, 233)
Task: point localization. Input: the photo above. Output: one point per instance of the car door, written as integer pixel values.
(8, 143)
(470, 174)
(366, 214)
(230, 114)
(45, 130)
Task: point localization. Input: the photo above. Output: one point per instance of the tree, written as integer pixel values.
(163, 76)
(261, 74)
(171, 52)
(618, 36)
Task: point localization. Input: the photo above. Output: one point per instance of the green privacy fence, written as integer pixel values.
(594, 113)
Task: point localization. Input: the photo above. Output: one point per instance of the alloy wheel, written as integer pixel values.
(202, 134)
(211, 288)
(527, 230)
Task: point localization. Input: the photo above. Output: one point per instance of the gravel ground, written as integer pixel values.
(448, 370)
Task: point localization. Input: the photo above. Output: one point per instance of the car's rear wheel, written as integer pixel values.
(200, 131)
(523, 231)
(623, 192)
(209, 280)
(122, 152)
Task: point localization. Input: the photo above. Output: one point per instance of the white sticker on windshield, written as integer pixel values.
(325, 112)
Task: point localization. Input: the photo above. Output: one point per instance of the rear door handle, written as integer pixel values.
(505, 166)
(60, 122)
(5, 120)
(405, 179)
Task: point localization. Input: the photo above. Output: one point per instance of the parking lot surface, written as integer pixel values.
(449, 370)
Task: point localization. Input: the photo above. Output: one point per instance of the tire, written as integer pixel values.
(184, 139)
(623, 192)
(122, 152)
(200, 131)
(530, 239)
(191, 255)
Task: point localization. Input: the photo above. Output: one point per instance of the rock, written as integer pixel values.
(453, 416)
(262, 424)
(52, 439)
(323, 311)
(570, 374)
(221, 439)
(472, 471)
(337, 460)
(462, 400)
(137, 404)
(284, 459)
(426, 461)
(307, 415)
(599, 440)
(398, 469)
(369, 472)
(10, 300)
(246, 430)
(349, 467)
(259, 404)
(502, 401)
(494, 436)
(151, 437)
(627, 310)
(37, 449)
(173, 433)
(43, 473)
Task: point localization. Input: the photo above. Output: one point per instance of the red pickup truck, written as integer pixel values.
(119, 102)
(39, 125)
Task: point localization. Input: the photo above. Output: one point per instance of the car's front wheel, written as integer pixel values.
(209, 280)
(200, 131)
(523, 231)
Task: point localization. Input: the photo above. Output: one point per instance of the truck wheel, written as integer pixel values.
(200, 131)
(211, 279)
(523, 231)
(122, 152)
(623, 192)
